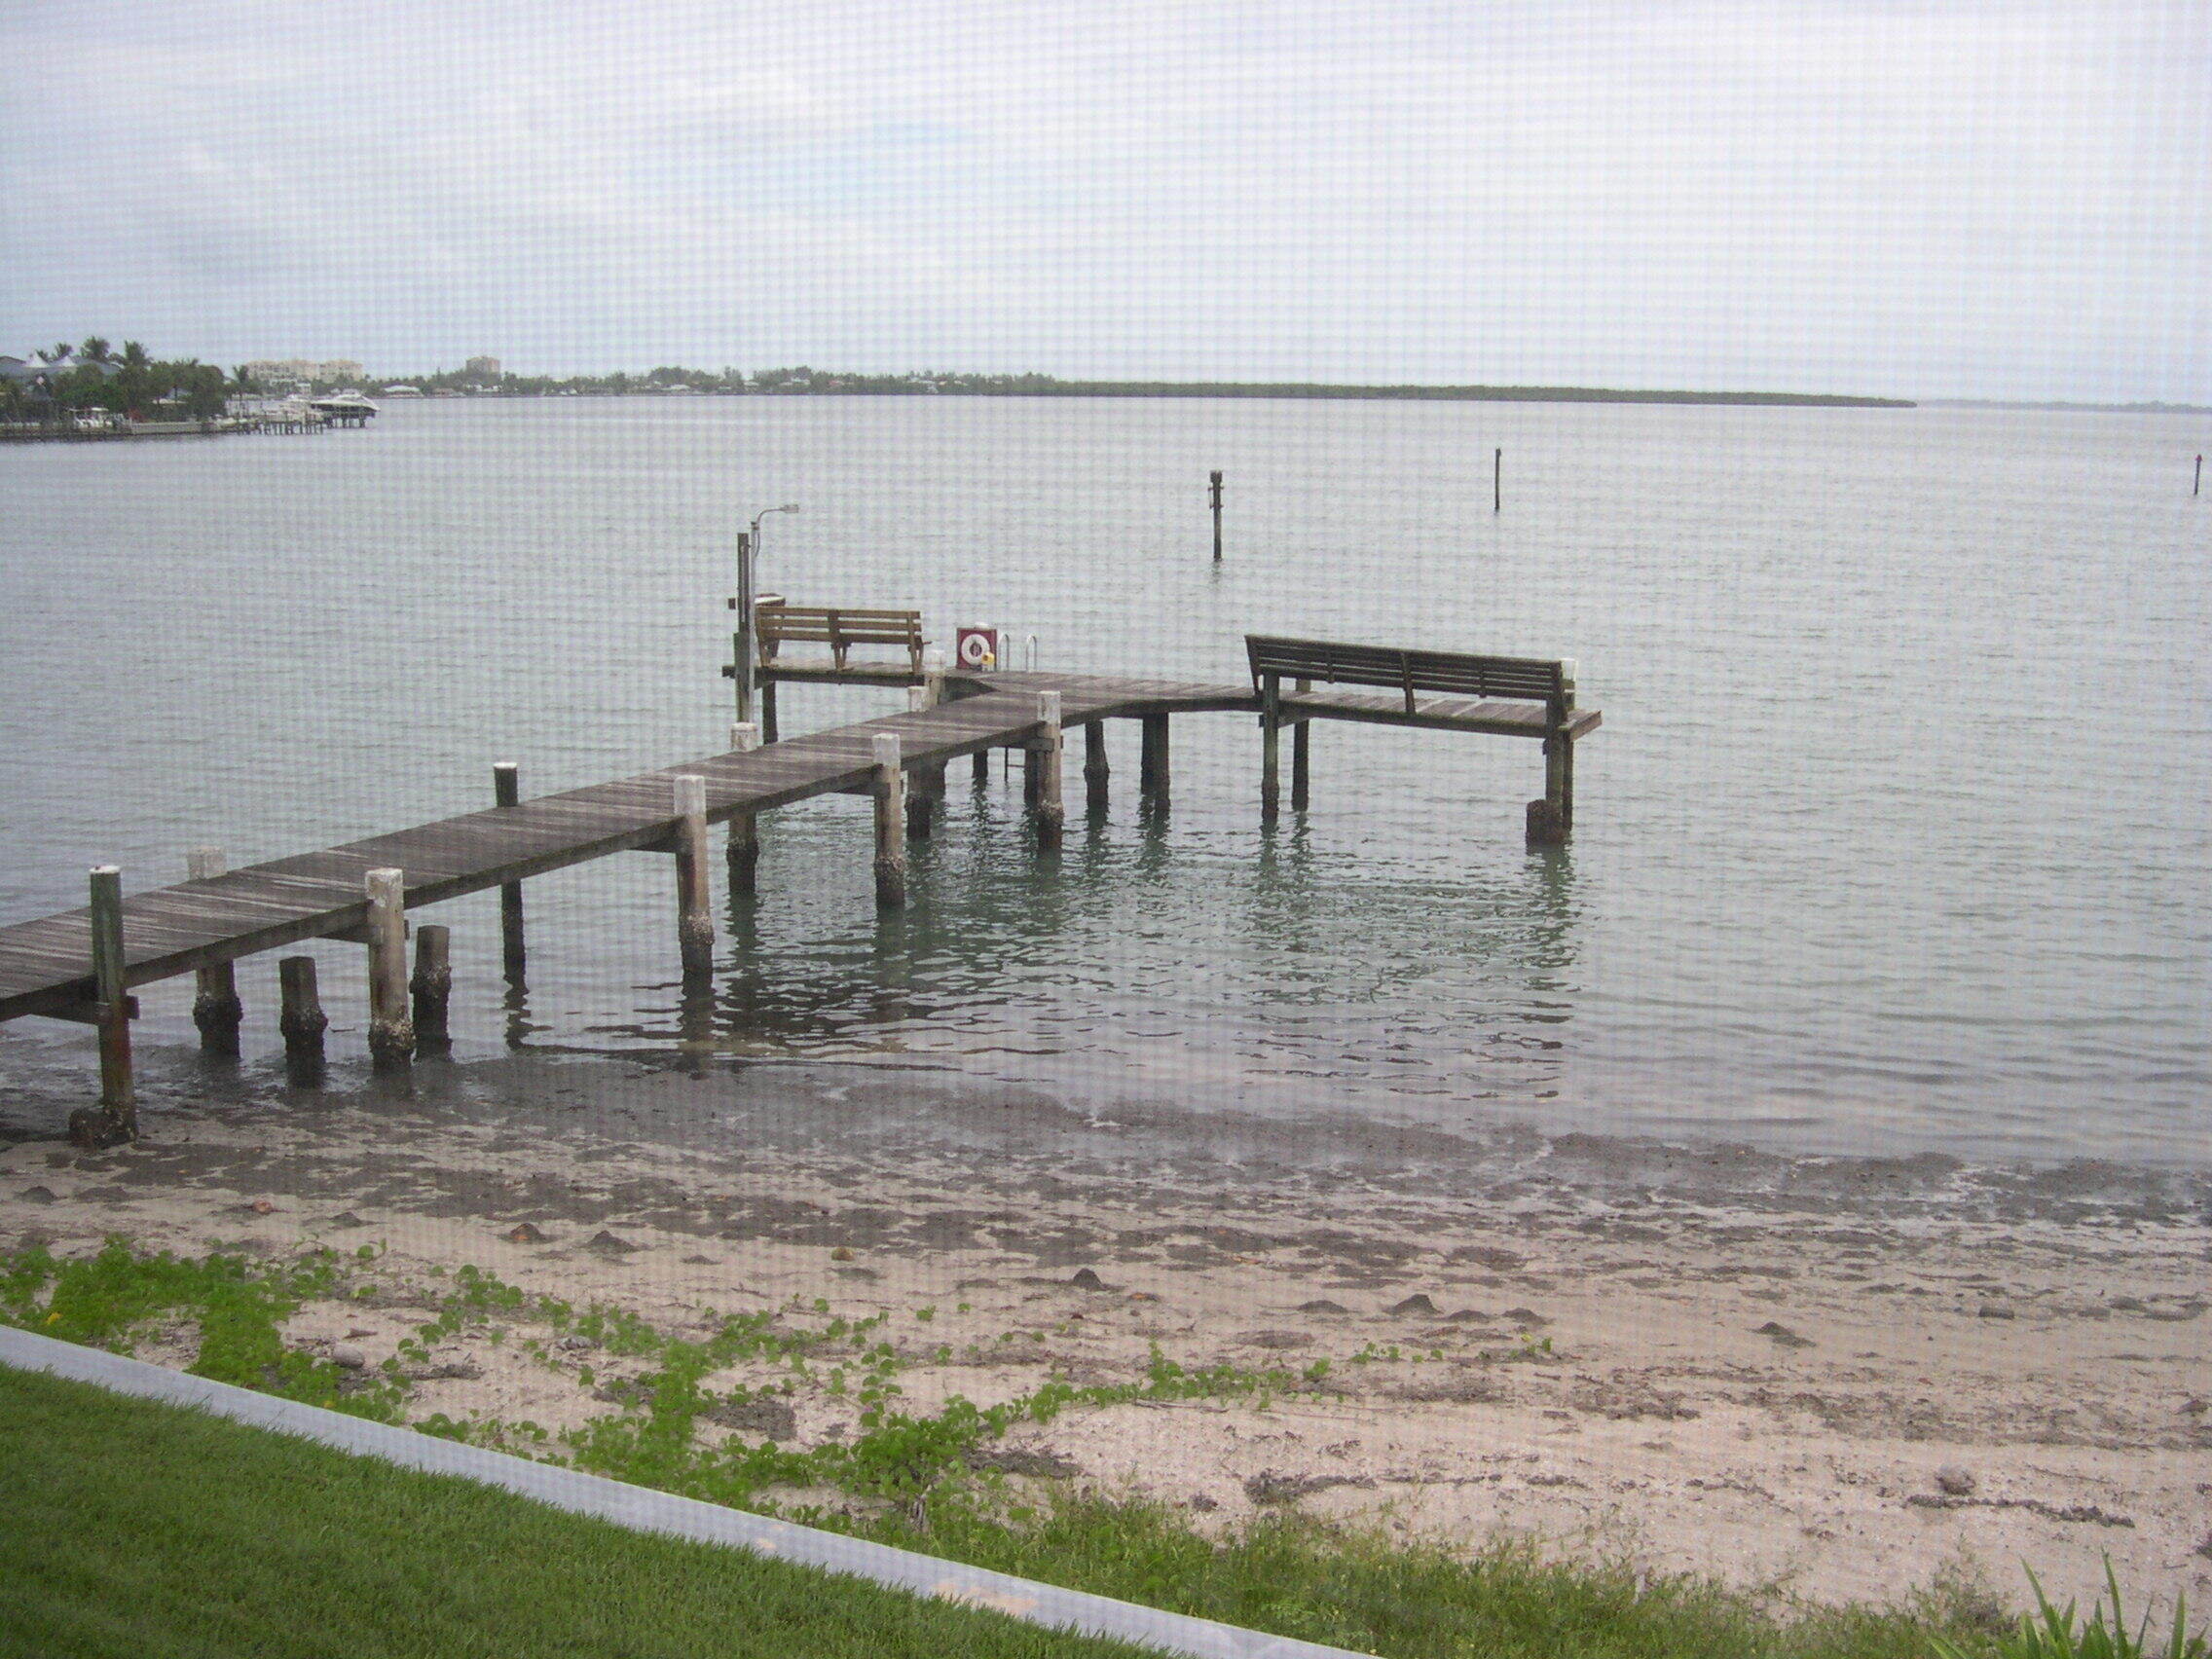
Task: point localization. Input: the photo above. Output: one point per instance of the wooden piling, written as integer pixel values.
(1096, 774)
(391, 1028)
(1301, 773)
(301, 1021)
(1152, 760)
(215, 1005)
(1497, 482)
(768, 728)
(115, 1120)
(432, 988)
(507, 791)
(982, 767)
(2199, 486)
(1550, 818)
(743, 854)
(1045, 751)
(694, 918)
(1213, 496)
(890, 841)
(1271, 749)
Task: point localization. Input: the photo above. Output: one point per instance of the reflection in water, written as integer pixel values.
(1310, 965)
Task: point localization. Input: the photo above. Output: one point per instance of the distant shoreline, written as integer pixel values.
(1431, 394)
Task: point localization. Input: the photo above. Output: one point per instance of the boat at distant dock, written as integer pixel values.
(343, 406)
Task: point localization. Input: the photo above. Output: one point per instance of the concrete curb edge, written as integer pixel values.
(644, 1510)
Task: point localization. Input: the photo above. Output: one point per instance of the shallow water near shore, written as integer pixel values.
(1893, 844)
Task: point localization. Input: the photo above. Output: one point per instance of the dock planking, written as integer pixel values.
(46, 964)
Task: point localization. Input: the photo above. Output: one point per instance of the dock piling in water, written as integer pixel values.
(391, 1025)
(301, 1021)
(695, 917)
(890, 811)
(1152, 760)
(744, 851)
(507, 791)
(1045, 751)
(432, 988)
(215, 1005)
(115, 1120)
(1096, 774)
(1300, 776)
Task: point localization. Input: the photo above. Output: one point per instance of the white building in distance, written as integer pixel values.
(482, 368)
(302, 374)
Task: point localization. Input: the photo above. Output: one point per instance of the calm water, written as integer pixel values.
(1894, 839)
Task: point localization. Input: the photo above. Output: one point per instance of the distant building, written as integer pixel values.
(302, 374)
(481, 368)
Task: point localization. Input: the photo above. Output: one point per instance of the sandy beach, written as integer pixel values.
(1836, 1377)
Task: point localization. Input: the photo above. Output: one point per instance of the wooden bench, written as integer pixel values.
(1447, 673)
(841, 629)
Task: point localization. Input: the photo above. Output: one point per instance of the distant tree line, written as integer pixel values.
(805, 380)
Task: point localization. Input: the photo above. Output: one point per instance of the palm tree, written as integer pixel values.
(95, 349)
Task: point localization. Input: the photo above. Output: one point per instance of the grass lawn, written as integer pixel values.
(139, 1530)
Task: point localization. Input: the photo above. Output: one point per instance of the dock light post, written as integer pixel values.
(748, 590)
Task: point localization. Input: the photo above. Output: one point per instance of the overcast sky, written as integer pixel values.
(2002, 199)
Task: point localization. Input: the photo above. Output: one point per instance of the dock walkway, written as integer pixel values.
(80, 965)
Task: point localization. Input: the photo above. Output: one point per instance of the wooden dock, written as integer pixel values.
(81, 964)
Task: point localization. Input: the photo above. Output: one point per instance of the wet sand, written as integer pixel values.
(1705, 1359)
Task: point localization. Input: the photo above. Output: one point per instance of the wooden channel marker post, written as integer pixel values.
(1213, 496)
(506, 792)
(391, 1025)
(115, 1120)
(890, 828)
(215, 1005)
(1045, 751)
(744, 851)
(1497, 481)
(694, 915)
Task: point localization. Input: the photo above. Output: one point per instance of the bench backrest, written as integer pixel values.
(1449, 672)
(839, 628)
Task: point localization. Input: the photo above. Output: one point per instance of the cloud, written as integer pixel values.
(1980, 200)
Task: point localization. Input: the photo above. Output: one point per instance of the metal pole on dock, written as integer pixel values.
(694, 917)
(890, 838)
(215, 1005)
(392, 1026)
(1051, 818)
(507, 791)
(745, 640)
(1213, 494)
